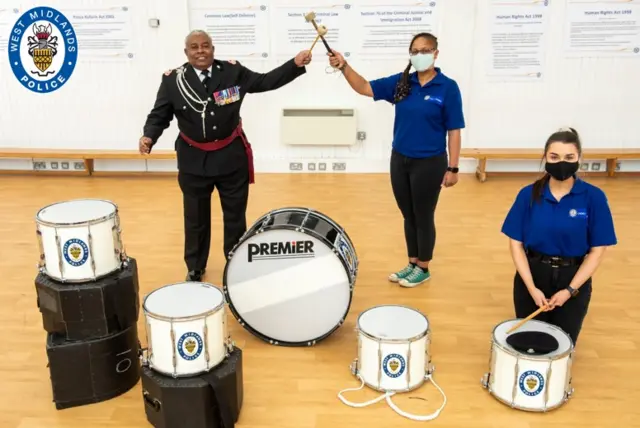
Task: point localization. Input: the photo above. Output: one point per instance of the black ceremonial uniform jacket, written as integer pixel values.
(220, 120)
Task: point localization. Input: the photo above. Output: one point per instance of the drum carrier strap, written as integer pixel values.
(387, 395)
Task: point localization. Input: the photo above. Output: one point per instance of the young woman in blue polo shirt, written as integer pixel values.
(428, 112)
(559, 228)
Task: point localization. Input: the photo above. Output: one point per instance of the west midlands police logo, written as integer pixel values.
(43, 49)
(190, 346)
(393, 365)
(75, 252)
(531, 383)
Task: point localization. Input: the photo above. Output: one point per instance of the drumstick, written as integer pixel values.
(542, 308)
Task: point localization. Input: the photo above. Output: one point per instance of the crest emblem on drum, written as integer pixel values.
(393, 365)
(190, 346)
(531, 383)
(75, 252)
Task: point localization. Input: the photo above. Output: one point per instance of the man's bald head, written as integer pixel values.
(198, 47)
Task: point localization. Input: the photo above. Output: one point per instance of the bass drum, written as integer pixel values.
(290, 279)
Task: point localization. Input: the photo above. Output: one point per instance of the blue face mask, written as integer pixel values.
(422, 62)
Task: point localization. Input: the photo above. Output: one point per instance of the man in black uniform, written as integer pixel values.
(205, 95)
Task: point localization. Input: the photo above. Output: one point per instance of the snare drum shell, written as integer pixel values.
(534, 383)
(69, 252)
(399, 365)
(196, 349)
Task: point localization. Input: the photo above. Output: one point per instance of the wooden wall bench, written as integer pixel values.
(482, 155)
(87, 156)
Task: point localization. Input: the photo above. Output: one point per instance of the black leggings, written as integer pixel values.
(416, 186)
(549, 280)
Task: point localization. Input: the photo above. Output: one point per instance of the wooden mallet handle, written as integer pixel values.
(533, 315)
(314, 42)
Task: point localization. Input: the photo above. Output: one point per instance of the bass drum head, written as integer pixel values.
(393, 322)
(184, 299)
(287, 287)
(76, 211)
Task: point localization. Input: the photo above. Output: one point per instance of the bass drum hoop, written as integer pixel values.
(254, 230)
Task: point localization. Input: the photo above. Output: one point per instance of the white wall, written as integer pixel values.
(596, 96)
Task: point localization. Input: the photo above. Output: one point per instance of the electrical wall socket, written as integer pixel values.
(295, 166)
(65, 165)
(595, 166)
(322, 166)
(362, 136)
(54, 165)
(78, 166)
(584, 166)
(311, 166)
(618, 166)
(339, 166)
(39, 165)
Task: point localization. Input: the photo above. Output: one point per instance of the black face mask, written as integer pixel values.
(562, 171)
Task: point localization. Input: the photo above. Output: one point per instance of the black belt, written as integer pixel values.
(554, 261)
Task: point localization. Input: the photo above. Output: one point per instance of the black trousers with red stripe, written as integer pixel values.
(570, 316)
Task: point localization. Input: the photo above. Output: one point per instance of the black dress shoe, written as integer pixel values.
(195, 275)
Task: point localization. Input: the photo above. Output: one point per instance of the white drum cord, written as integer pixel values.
(387, 395)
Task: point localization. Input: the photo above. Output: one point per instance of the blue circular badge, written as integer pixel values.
(75, 252)
(190, 346)
(394, 365)
(531, 383)
(43, 50)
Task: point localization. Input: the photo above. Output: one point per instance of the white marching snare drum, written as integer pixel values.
(393, 348)
(290, 279)
(79, 240)
(186, 329)
(393, 354)
(526, 381)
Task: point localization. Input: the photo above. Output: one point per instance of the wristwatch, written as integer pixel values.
(453, 169)
(572, 290)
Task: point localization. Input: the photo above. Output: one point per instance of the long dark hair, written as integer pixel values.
(403, 88)
(567, 136)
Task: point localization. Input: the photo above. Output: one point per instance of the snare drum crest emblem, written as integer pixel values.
(75, 252)
(393, 365)
(531, 383)
(190, 346)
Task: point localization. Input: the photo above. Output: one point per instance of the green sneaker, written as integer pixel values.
(416, 277)
(396, 277)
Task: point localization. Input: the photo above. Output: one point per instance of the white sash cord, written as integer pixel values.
(388, 395)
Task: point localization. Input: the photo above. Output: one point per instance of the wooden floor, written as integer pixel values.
(469, 294)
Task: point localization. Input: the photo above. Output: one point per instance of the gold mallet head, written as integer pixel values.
(322, 30)
(310, 16)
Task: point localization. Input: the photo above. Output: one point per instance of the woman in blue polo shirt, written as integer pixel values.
(428, 111)
(559, 228)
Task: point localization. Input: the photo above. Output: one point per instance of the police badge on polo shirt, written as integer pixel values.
(227, 96)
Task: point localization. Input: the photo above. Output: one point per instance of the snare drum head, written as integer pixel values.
(287, 286)
(393, 322)
(185, 299)
(76, 211)
(533, 338)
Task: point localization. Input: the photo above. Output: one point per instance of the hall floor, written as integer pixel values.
(469, 294)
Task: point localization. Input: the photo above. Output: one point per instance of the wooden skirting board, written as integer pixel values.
(481, 155)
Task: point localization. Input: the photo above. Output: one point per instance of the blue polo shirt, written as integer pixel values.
(423, 118)
(568, 228)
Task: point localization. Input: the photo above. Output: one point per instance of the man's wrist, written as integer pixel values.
(453, 169)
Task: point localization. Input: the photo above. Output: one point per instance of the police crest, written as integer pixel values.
(43, 47)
